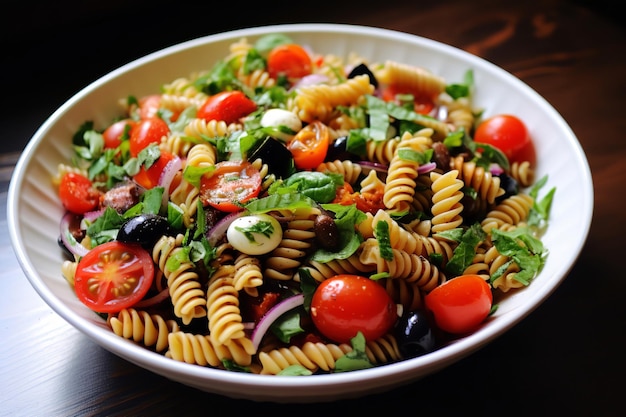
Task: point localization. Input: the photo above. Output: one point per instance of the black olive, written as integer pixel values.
(145, 229)
(338, 151)
(275, 154)
(509, 185)
(414, 334)
(326, 232)
(363, 69)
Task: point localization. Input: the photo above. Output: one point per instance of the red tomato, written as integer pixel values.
(113, 276)
(344, 305)
(421, 103)
(310, 145)
(461, 304)
(229, 106)
(147, 132)
(149, 106)
(114, 134)
(289, 60)
(231, 183)
(149, 178)
(509, 134)
(78, 194)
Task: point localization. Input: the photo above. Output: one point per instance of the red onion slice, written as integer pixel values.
(427, 167)
(167, 176)
(272, 315)
(68, 239)
(495, 169)
(217, 232)
(374, 166)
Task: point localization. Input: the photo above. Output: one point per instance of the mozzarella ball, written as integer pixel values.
(281, 117)
(256, 234)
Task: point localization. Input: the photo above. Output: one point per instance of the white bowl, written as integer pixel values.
(34, 209)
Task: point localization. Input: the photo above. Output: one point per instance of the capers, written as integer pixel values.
(326, 232)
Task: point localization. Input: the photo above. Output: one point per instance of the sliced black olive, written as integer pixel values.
(363, 69)
(145, 229)
(509, 185)
(414, 334)
(275, 154)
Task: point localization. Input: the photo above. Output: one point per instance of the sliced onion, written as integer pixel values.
(311, 79)
(91, 216)
(374, 166)
(67, 238)
(427, 167)
(272, 315)
(167, 176)
(218, 231)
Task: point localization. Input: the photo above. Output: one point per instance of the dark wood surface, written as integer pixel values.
(567, 357)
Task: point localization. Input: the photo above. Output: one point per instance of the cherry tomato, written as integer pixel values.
(113, 276)
(290, 60)
(77, 193)
(231, 183)
(147, 132)
(310, 145)
(229, 106)
(114, 134)
(461, 304)
(421, 103)
(149, 106)
(509, 134)
(345, 304)
(149, 178)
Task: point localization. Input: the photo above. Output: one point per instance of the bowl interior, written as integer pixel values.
(34, 210)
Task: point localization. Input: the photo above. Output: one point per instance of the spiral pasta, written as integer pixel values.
(509, 213)
(404, 265)
(318, 102)
(186, 291)
(152, 330)
(312, 356)
(199, 349)
(447, 197)
(288, 256)
(349, 170)
(400, 183)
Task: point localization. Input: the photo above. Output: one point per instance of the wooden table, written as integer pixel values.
(566, 357)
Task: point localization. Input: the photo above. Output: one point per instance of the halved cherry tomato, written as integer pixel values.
(289, 60)
(229, 106)
(461, 304)
(345, 304)
(509, 134)
(149, 178)
(231, 184)
(113, 276)
(147, 132)
(421, 104)
(119, 130)
(78, 194)
(310, 145)
(149, 106)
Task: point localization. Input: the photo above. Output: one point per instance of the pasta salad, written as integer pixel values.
(291, 212)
